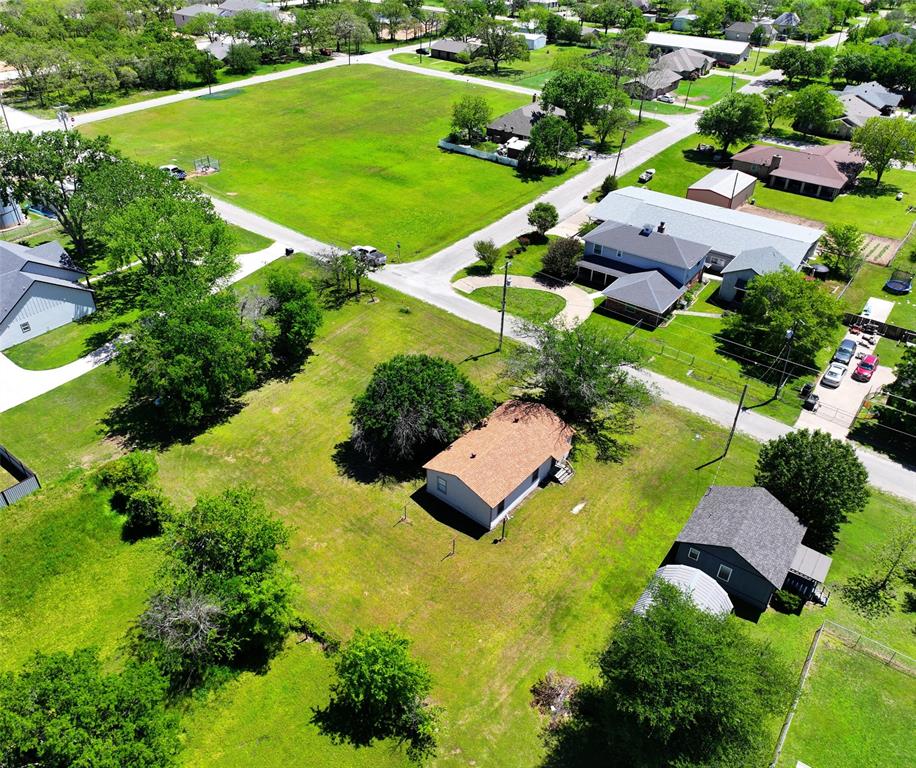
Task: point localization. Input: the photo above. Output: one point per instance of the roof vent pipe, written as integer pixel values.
(661, 227)
(775, 162)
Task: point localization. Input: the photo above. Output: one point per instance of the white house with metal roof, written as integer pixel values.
(39, 291)
(725, 51)
(727, 233)
(701, 588)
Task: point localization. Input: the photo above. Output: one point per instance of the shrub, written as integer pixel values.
(488, 253)
(609, 184)
(561, 258)
(126, 475)
(542, 217)
(146, 509)
(786, 602)
(242, 59)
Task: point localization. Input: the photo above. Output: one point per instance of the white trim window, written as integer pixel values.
(25, 327)
(693, 554)
(724, 574)
(441, 484)
(596, 249)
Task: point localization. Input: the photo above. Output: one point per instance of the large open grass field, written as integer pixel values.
(488, 621)
(854, 711)
(346, 155)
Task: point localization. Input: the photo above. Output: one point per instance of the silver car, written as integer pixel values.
(833, 375)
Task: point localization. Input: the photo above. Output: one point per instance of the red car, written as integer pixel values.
(866, 369)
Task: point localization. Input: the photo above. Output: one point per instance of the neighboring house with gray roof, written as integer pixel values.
(727, 233)
(682, 20)
(653, 84)
(183, 15)
(649, 268)
(894, 38)
(452, 50)
(745, 267)
(519, 122)
(39, 291)
(743, 31)
(875, 95)
(786, 22)
(686, 62)
(751, 545)
(861, 103)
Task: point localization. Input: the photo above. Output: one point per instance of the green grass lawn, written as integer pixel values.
(71, 341)
(752, 66)
(869, 281)
(659, 107)
(346, 155)
(707, 90)
(873, 211)
(489, 621)
(525, 303)
(528, 262)
(854, 711)
(532, 73)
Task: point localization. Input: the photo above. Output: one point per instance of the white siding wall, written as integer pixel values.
(44, 307)
(48, 271)
(458, 496)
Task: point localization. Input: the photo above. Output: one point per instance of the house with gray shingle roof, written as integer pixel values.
(894, 38)
(39, 291)
(519, 122)
(751, 545)
(452, 50)
(745, 267)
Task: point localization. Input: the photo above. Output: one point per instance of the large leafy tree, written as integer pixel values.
(413, 405)
(191, 354)
(677, 687)
(225, 594)
(611, 116)
(578, 92)
(737, 117)
(463, 18)
(172, 238)
(883, 141)
(501, 43)
(51, 169)
(583, 375)
(841, 249)
(64, 710)
(551, 136)
(899, 410)
(623, 57)
(295, 308)
(815, 108)
(819, 478)
(380, 692)
(775, 304)
(873, 592)
(470, 116)
(777, 102)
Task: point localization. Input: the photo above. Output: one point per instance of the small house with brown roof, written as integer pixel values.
(491, 469)
(820, 171)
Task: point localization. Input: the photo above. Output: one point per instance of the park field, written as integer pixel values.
(489, 621)
(347, 155)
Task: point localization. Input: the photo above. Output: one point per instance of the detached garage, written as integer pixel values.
(39, 291)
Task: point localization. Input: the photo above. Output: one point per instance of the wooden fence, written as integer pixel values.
(893, 332)
(27, 481)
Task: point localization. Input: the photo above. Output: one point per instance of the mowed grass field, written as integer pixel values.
(854, 711)
(347, 155)
(489, 621)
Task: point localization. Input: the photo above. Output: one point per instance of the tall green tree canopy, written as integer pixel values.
(818, 478)
(501, 44)
(841, 249)
(578, 92)
(737, 117)
(62, 710)
(582, 374)
(413, 405)
(380, 692)
(899, 410)
(677, 687)
(295, 308)
(883, 141)
(815, 108)
(551, 136)
(776, 303)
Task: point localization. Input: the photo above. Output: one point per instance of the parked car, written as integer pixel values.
(845, 352)
(833, 376)
(372, 256)
(705, 148)
(866, 368)
(665, 98)
(174, 171)
(646, 175)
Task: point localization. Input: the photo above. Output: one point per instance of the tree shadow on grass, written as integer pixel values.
(139, 424)
(891, 444)
(868, 189)
(343, 726)
(355, 465)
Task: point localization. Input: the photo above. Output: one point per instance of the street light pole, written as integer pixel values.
(502, 314)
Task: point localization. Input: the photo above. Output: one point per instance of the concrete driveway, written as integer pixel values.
(838, 406)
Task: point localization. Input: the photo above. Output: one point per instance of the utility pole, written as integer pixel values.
(623, 140)
(731, 434)
(502, 316)
(790, 337)
(3, 109)
(687, 97)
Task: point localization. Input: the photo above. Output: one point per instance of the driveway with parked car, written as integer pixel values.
(841, 390)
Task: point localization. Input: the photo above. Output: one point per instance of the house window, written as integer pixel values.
(25, 327)
(725, 573)
(693, 554)
(596, 249)
(442, 485)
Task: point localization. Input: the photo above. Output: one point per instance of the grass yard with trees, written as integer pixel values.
(73, 581)
(340, 157)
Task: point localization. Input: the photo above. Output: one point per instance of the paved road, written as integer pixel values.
(429, 279)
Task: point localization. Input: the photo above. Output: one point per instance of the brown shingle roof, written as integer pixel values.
(821, 165)
(494, 458)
